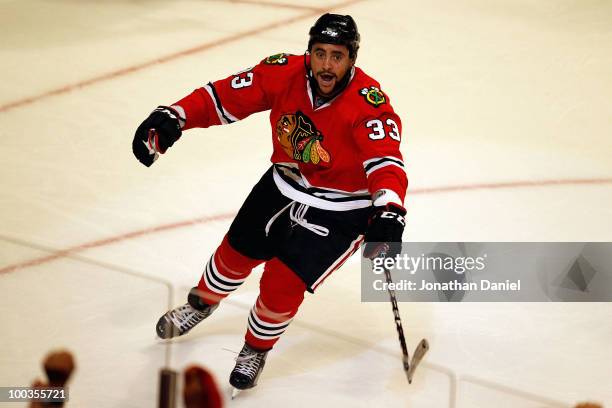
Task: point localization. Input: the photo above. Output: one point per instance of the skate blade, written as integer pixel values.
(235, 392)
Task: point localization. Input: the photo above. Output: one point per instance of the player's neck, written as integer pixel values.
(320, 100)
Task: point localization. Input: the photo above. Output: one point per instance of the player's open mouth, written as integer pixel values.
(326, 79)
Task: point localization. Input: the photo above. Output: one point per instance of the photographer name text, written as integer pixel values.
(424, 285)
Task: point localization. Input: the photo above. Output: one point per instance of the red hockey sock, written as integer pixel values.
(281, 292)
(224, 273)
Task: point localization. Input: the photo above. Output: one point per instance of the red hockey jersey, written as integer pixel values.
(335, 156)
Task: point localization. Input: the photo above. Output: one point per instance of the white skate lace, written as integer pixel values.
(297, 216)
(185, 317)
(248, 364)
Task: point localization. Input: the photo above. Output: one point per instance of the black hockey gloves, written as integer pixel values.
(156, 134)
(384, 233)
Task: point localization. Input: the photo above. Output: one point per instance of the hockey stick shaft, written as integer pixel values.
(398, 320)
(423, 346)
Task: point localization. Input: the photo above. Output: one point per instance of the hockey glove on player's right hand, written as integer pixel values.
(384, 232)
(156, 134)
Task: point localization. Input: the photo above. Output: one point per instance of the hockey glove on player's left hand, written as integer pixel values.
(156, 134)
(384, 232)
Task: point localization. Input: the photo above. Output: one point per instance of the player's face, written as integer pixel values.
(329, 64)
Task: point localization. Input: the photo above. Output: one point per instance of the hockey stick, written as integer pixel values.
(410, 365)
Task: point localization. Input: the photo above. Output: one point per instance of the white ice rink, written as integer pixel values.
(507, 113)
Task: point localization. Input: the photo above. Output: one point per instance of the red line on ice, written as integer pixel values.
(111, 240)
(509, 184)
(174, 56)
(220, 217)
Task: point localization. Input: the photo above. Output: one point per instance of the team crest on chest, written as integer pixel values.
(277, 59)
(300, 139)
(373, 96)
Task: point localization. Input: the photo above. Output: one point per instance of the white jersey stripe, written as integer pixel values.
(263, 331)
(212, 96)
(223, 277)
(264, 323)
(381, 165)
(288, 191)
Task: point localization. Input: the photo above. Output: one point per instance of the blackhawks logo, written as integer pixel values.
(373, 96)
(300, 139)
(277, 59)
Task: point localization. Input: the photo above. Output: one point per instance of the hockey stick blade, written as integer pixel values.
(417, 356)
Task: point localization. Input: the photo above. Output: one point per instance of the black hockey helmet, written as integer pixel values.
(335, 29)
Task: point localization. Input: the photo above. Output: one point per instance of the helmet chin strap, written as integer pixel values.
(339, 87)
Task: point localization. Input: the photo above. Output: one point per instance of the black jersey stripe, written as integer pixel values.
(214, 286)
(321, 190)
(218, 278)
(259, 331)
(265, 327)
(218, 103)
(371, 164)
(270, 336)
(212, 281)
(293, 170)
(317, 191)
(341, 199)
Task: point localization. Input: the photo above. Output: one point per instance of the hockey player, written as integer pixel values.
(337, 175)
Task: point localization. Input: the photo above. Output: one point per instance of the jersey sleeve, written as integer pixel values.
(227, 100)
(378, 136)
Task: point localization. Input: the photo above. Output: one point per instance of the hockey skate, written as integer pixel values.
(249, 365)
(181, 319)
